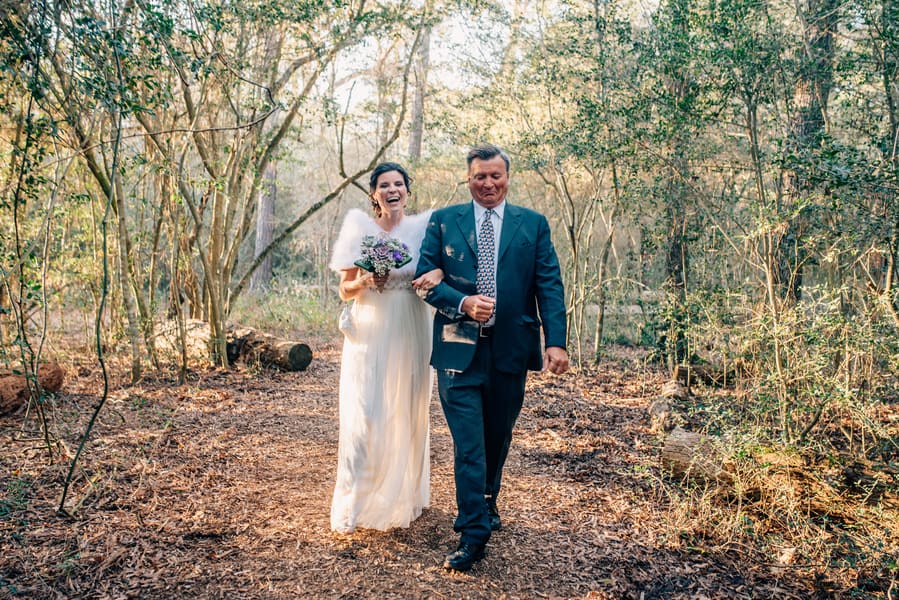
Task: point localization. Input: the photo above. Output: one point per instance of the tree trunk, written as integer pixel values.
(214, 280)
(4, 310)
(265, 226)
(175, 286)
(128, 299)
(603, 263)
(676, 268)
(418, 101)
(889, 73)
(810, 97)
(132, 277)
(681, 88)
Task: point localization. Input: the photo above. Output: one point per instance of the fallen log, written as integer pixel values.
(196, 339)
(254, 347)
(693, 455)
(14, 386)
(707, 374)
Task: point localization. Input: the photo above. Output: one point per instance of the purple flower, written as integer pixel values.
(382, 253)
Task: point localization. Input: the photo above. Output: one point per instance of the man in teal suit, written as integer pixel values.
(501, 284)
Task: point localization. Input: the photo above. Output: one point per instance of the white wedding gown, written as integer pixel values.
(383, 461)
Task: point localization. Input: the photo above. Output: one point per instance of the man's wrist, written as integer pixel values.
(459, 311)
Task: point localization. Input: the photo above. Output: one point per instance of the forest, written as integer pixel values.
(722, 181)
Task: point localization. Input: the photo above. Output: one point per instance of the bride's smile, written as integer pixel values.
(391, 193)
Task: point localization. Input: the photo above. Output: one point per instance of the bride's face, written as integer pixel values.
(391, 193)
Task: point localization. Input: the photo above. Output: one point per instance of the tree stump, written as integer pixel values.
(660, 413)
(693, 455)
(673, 390)
(14, 387)
(252, 346)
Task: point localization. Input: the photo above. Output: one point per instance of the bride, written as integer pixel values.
(383, 465)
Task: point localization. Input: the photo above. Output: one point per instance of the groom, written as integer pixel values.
(500, 273)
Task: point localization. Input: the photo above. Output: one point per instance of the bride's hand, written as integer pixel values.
(353, 282)
(365, 281)
(380, 280)
(429, 280)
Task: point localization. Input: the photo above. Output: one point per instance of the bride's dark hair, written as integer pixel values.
(385, 167)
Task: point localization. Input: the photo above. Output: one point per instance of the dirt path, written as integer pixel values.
(220, 488)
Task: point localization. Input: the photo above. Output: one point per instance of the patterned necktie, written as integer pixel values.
(486, 275)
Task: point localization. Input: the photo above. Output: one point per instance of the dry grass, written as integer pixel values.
(220, 488)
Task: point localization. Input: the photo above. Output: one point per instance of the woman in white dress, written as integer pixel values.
(383, 469)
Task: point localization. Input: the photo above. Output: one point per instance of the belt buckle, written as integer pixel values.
(484, 332)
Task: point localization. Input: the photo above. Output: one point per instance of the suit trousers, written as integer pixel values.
(481, 406)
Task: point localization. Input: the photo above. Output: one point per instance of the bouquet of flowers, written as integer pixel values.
(381, 253)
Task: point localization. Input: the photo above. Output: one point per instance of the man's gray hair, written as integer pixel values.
(486, 152)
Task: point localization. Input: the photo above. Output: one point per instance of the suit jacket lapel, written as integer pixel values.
(511, 223)
(465, 221)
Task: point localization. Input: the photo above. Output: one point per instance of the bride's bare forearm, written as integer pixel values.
(352, 283)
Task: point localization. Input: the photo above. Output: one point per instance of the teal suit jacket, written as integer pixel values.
(529, 290)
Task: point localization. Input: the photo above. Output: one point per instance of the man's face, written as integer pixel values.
(488, 181)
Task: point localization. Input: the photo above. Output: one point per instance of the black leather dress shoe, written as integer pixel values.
(464, 557)
(495, 523)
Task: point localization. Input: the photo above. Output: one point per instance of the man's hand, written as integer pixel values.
(478, 307)
(555, 360)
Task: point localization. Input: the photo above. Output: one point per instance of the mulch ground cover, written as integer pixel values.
(220, 488)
